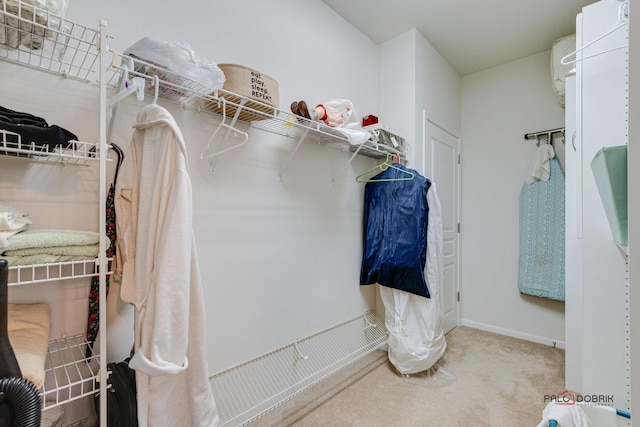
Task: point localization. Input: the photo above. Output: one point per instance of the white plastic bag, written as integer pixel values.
(179, 58)
(342, 115)
(416, 337)
(414, 323)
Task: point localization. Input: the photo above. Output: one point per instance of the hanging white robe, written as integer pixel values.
(158, 268)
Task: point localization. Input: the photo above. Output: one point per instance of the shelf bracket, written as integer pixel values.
(299, 355)
(367, 323)
(293, 153)
(353, 156)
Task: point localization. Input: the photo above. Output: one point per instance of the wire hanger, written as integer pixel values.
(623, 18)
(383, 166)
(205, 154)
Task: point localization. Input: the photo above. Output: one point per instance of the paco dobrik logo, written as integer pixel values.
(567, 397)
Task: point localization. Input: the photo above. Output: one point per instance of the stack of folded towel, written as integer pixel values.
(39, 246)
(28, 328)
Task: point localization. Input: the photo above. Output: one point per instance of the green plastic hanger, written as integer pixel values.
(383, 166)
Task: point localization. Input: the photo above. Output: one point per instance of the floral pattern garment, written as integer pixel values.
(93, 320)
(94, 296)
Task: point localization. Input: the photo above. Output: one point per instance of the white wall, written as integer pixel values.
(397, 89)
(312, 52)
(438, 91)
(499, 106)
(279, 260)
(413, 78)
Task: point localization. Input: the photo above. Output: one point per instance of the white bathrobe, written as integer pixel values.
(158, 268)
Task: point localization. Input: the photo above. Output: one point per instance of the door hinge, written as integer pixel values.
(458, 296)
(458, 227)
(458, 158)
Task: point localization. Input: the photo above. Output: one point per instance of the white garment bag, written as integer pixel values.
(414, 323)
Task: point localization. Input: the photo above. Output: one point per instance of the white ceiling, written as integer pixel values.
(471, 35)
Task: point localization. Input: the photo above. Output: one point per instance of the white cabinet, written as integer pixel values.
(597, 302)
(36, 49)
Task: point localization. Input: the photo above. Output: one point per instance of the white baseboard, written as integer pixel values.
(515, 334)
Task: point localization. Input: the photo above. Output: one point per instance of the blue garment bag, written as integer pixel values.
(395, 231)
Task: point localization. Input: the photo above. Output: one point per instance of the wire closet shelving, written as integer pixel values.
(171, 87)
(250, 390)
(74, 153)
(39, 273)
(71, 366)
(71, 371)
(39, 39)
(44, 41)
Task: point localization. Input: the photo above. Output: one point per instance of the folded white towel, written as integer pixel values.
(541, 168)
(11, 222)
(564, 415)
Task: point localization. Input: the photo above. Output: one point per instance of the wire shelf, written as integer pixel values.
(288, 124)
(42, 39)
(69, 373)
(73, 153)
(177, 89)
(250, 390)
(37, 273)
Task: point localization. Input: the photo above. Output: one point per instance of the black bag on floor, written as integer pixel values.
(122, 410)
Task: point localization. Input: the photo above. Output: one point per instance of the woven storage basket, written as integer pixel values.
(260, 91)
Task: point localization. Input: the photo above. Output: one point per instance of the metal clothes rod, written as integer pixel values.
(549, 132)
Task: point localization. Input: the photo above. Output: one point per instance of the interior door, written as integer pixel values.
(441, 167)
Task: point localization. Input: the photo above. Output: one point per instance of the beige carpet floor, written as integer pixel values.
(501, 381)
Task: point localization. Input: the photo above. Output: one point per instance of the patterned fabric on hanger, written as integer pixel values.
(93, 320)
